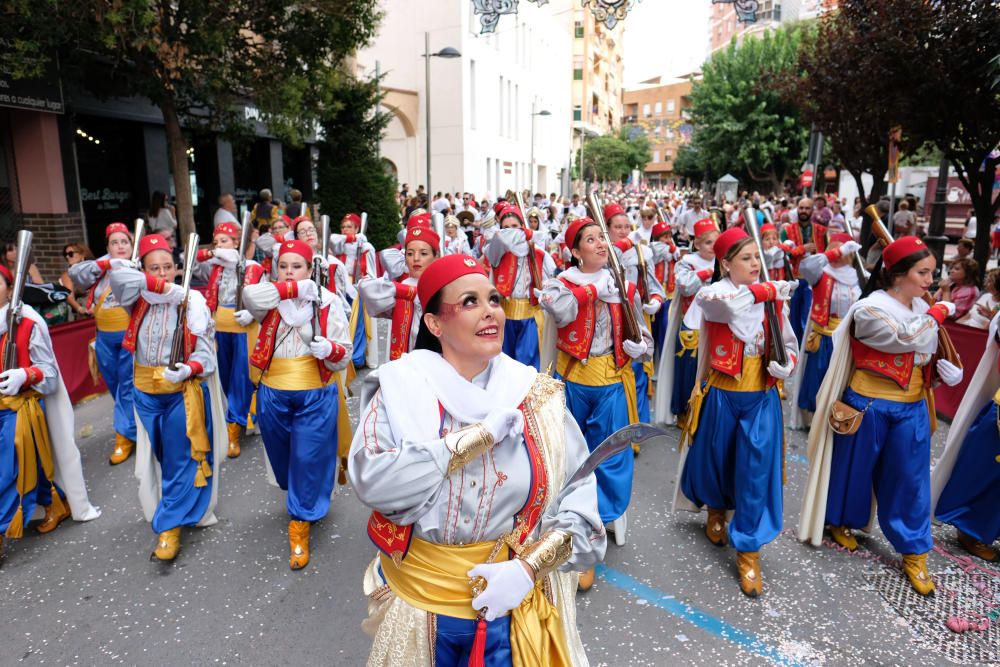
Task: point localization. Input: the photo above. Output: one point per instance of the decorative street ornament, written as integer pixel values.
(608, 12)
(746, 10)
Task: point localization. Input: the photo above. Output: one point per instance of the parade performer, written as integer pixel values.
(965, 482)
(455, 240)
(871, 433)
(594, 359)
(775, 256)
(735, 459)
(665, 256)
(520, 265)
(803, 236)
(457, 424)
(181, 409)
(834, 282)
(114, 361)
(297, 395)
(679, 357)
(396, 300)
(353, 250)
(220, 268)
(40, 467)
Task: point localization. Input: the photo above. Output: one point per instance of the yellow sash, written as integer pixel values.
(226, 323)
(433, 577)
(31, 443)
(110, 319)
(816, 331)
(752, 378)
(689, 342)
(150, 380)
(522, 309)
(601, 372)
(293, 374)
(873, 385)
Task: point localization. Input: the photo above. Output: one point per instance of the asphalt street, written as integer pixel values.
(88, 594)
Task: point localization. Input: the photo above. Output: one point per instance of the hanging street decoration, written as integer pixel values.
(608, 12)
(746, 10)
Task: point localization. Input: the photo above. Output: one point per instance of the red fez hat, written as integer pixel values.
(419, 220)
(499, 207)
(510, 210)
(5, 272)
(300, 248)
(428, 236)
(227, 228)
(442, 271)
(900, 248)
(659, 229)
(286, 219)
(302, 218)
(611, 210)
(768, 227)
(841, 237)
(151, 242)
(704, 226)
(728, 239)
(574, 229)
(117, 227)
(354, 218)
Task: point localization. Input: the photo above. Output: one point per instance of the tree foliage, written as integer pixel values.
(201, 61)
(638, 144)
(606, 158)
(351, 176)
(690, 163)
(743, 125)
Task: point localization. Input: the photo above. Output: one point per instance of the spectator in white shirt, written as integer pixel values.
(227, 209)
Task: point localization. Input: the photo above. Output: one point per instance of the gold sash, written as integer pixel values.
(110, 319)
(601, 372)
(522, 309)
(433, 577)
(689, 342)
(816, 331)
(225, 322)
(873, 385)
(293, 374)
(150, 380)
(751, 378)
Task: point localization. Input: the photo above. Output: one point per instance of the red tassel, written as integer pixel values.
(478, 656)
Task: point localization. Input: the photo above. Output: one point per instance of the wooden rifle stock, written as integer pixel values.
(777, 351)
(241, 263)
(533, 268)
(319, 276)
(630, 323)
(178, 344)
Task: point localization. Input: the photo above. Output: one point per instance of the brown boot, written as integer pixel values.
(298, 543)
(586, 580)
(168, 544)
(235, 430)
(976, 548)
(843, 536)
(55, 513)
(715, 527)
(123, 449)
(636, 448)
(915, 569)
(748, 565)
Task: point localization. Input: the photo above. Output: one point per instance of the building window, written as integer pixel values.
(670, 106)
(577, 112)
(645, 111)
(670, 132)
(656, 156)
(472, 94)
(517, 111)
(578, 29)
(670, 154)
(500, 106)
(489, 173)
(510, 111)
(658, 108)
(578, 74)
(656, 130)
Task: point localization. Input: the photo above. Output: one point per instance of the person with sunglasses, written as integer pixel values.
(74, 253)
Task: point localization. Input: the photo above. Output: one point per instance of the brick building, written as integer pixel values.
(660, 107)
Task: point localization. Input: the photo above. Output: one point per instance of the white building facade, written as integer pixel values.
(487, 108)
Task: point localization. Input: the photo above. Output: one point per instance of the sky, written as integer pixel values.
(668, 37)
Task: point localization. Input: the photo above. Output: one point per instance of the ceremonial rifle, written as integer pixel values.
(241, 263)
(136, 237)
(858, 263)
(319, 276)
(946, 348)
(21, 266)
(359, 249)
(784, 255)
(770, 307)
(630, 322)
(178, 344)
(533, 269)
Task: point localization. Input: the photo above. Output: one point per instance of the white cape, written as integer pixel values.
(665, 367)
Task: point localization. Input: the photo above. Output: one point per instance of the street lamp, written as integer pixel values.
(447, 52)
(531, 180)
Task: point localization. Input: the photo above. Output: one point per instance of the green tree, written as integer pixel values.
(606, 158)
(638, 143)
(351, 176)
(743, 124)
(690, 163)
(201, 61)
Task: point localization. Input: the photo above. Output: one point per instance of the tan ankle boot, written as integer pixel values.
(748, 565)
(915, 569)
(977, 548)
(843, 536)
(55, 513)
(235, 430)
(298, 543)
(123, 449)
(168, 544)
(586, 580)
(715, 527)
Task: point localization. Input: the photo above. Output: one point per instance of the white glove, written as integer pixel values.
(503, 424)
(320, 347)
(949, 305)
(950, 374)
(849, 248)
(121, 263)
(323, 261)
(507, 584)
(182, 373)
(790, 244)
(607, 291)
(266, 242)
(785, 288)
(634, 349)
(652, 308)
(781, 372)
(308, 290)
(11, 381)
(225, 257)
(174, 294)
(538, 293)
(243, 317)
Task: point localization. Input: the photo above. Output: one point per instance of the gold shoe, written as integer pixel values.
(748, 565)
(636, 448)
(843, 536)
(715, 527)
(168, 544)
(298, 542)
(915, 569)
(586, 580)
(235, 430)
(55, 513)
(123, 449)
(977, 548)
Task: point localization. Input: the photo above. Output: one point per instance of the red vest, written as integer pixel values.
(727, 350)
(23, 341)
(394, 540)
(794, 233)
(898, 367)
(822, 293)
(252, 276)
(402, 320)
(505, 273)
(260, 358)
(576, 337)
(139, 311)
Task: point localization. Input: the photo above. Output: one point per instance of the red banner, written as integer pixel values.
(71, 343)
(971, 342)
